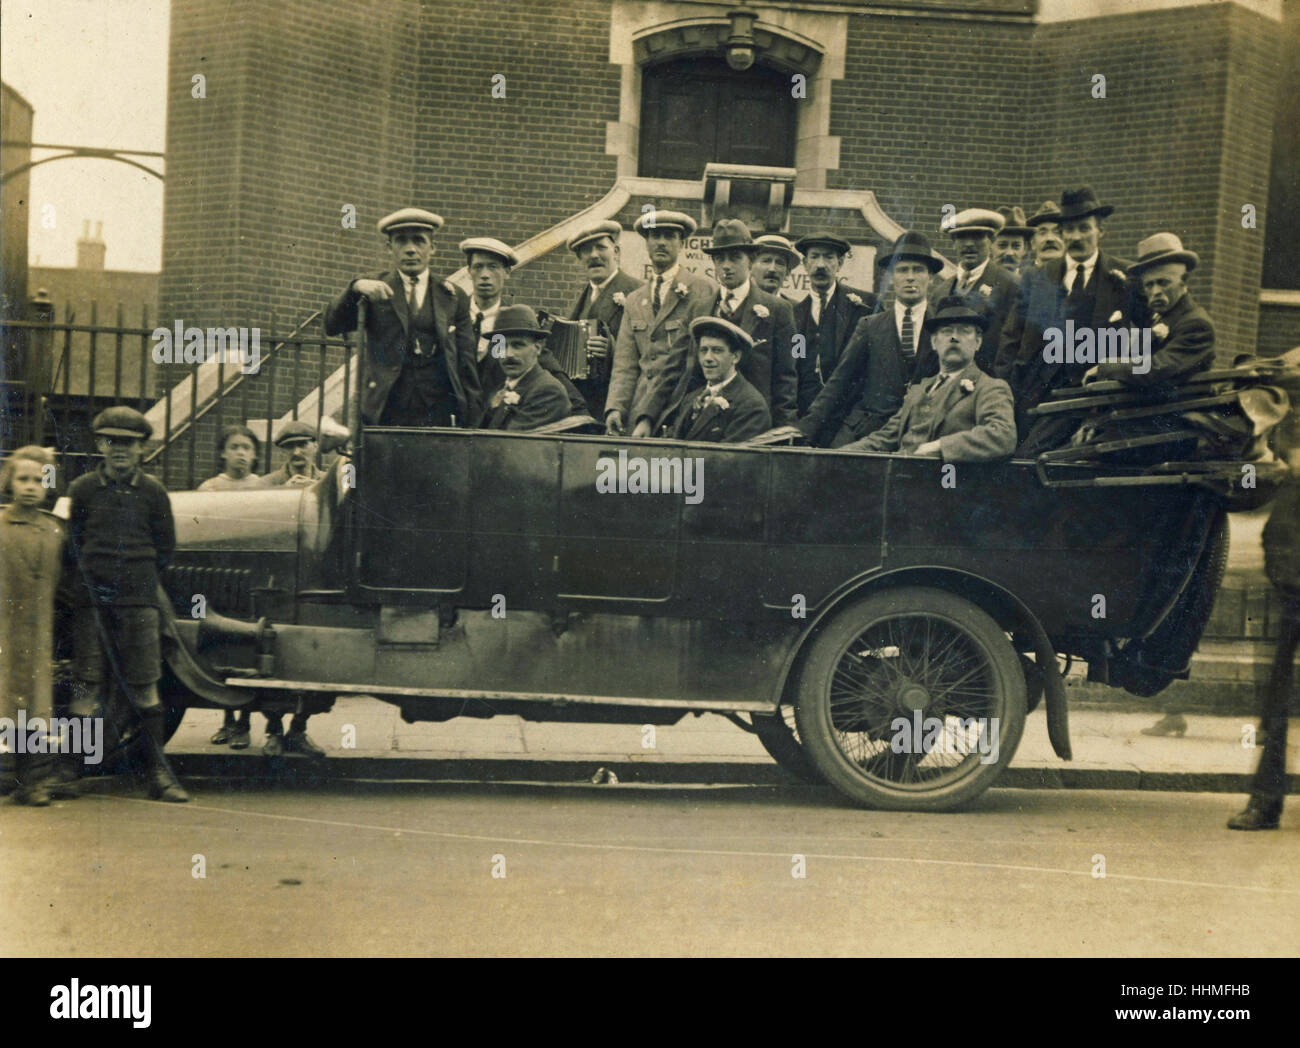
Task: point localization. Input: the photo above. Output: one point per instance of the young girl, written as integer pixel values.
(238, 449)
(31, 549)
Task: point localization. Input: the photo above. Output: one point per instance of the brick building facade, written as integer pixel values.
(313, 105)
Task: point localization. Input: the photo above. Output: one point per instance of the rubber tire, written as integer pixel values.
(812, 709)
(782, 745)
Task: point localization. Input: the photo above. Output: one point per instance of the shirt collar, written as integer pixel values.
(418, 281)
(596, 289)
(737, 295)
(969, 276)
(713, 391)
(1088, 264)
(489, 313)
(918, 311)
(670, 276)
(513, 383)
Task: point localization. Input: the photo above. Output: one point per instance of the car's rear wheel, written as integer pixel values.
(911, 699)
(780, 737)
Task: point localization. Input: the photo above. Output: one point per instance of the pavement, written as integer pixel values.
(365, 738)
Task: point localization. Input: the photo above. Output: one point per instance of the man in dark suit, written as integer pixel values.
(888, 350)
(728, 409)
(1084, 289)
(979, 279)
(601, 300)
(827, 317)
(528, 396)
(1046, 243)
(769, 321)
(1011, 245)
(962, 414)
(1182, 333)
(653, 347)
(421, 368)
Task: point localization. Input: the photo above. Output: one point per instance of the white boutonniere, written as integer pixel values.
(1117, 315)
(855, 299)
(967, 386)
(985, 290)
(510, 398)
(1161, 331)
(451, 329)
(618, 298)
(722, 402)
(761, 311)
(681, 289)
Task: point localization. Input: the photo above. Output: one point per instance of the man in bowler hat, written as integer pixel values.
(528, 396)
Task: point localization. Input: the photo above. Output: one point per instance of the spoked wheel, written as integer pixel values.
(911, 700)
(780, 737)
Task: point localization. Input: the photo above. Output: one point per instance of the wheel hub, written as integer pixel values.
(911, 696)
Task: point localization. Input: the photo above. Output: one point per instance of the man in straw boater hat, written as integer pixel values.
(774, 260)
(767, 364)
(888, 351)
(1011, 244)
(1046, 243)
(422, 365)
(654, 343)
(529, 396)
(979, 279)
(728, 409)
(827, 317)
(605, 288)
(1087, 288)
(962, 414)
(1182, 333)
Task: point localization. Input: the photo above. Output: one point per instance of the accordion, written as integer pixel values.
(568, 341)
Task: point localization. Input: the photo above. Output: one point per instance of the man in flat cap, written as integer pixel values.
(654, 344)
(980, 280)
(728, 409)
(962, 414)
(528, 396)
(489, 262)
(1011, 244)
(422, 367)
(827, 317)
(888, 351)
(1046, 243)
(122, 535)
(774, 260)
(1085, 289)
(604, 291)
(1182, 333)
(299, 442)
(767, 364)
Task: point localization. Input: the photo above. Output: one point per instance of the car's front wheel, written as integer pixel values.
(911, 699)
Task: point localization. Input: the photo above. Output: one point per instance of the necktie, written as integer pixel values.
(478, 327)
(1076, 288)
(943, 377)
(823, 297)
(909, 333)
(410, 296)
(655, 300)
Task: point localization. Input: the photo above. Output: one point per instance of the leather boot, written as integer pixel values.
(1259, 814)
(163, 784)
(32, 789)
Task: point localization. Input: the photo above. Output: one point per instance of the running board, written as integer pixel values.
(497, 696)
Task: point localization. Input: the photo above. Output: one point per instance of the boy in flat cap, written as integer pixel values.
(654, 344)
(728, 409)
(603, 294)
(827, 317)
(122, 535)
(421, 368)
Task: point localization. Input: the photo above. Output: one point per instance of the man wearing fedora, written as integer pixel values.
(774, 260)
(1182, 333)
(605, 289)
(1087, 288)
(962, 414)
(1046, 243)
(827, 317)
(654, 343)
(421, 367)
(1011, 244)
(728, 409)
(979, 279)
(769, 321)
(528, 396)
(888, 351)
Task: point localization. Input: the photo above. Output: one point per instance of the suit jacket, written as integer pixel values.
(595, 387)
(970, 425)
(492, 375)
(1003, 288)
(542, 400)
(815, 368)
(387, 329)
(768, 367)
(745, 416)
(652, 352)
(868, 383)
(1186, 350)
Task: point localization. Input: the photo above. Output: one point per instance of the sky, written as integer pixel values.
(95, 72)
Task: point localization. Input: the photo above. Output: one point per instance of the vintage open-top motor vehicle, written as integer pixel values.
(828, 597)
